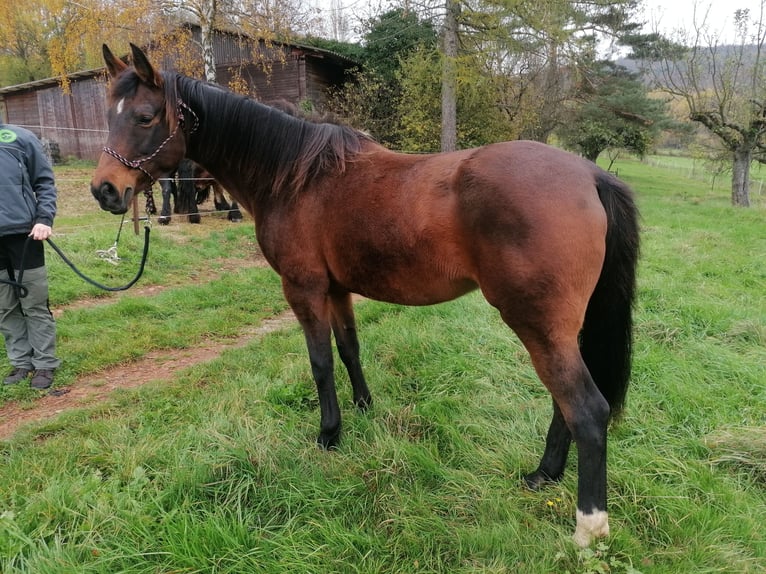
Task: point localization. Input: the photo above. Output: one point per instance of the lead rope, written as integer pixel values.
(145, 254)
(22, 291)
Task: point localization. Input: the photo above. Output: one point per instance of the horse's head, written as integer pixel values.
(144, 142)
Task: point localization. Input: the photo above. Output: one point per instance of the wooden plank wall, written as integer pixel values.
(75, 122)
(23, 111)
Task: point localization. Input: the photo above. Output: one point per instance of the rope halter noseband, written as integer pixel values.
(137, 163)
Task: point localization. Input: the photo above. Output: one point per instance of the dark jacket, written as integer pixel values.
(27, 187)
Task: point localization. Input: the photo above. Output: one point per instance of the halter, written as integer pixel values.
(136, 163)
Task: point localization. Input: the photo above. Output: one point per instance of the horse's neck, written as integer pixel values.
(222, 142)
(211, 108)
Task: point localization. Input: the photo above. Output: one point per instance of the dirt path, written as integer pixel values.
(157, 365)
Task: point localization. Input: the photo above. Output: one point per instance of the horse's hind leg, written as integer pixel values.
(554, 459)
(586, 413)
(185, 204)
(219, 200)
(233, 213)
(344, 327)
(549, 328)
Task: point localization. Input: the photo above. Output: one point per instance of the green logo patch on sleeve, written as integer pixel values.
(7, 136)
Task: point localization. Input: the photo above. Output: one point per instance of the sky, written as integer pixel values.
(674, 14)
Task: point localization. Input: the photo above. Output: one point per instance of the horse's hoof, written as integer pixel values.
(195, 219)
(538, 479)
(329, 441)
(163, 220)
(590, 527)
(363, 403)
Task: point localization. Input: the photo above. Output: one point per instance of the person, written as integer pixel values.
(27, 209)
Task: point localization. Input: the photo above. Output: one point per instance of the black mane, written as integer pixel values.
(276, 152)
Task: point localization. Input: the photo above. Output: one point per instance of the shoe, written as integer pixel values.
(17, 375)
(41, 379)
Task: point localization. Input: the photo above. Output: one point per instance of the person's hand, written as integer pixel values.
(41, 232)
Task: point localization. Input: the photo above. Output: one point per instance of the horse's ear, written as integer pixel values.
(113, 64)
(144, 69)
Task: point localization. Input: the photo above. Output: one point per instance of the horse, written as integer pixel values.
(183, 202)
(188, 187)
(549, 238)
(195, 184)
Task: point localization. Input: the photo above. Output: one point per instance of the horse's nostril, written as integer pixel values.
(108, 190)
(105, 193)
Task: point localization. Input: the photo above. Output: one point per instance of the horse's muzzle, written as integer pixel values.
(109, 198)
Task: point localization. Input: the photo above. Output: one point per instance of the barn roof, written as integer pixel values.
(50, 81)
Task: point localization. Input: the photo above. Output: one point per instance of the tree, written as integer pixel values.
(40, 38)
(510, 64)
(478, 120)
(23, 57)
(57, 37)
(534, 52)
(722, 85)
(207, 16)
(390, 39)
(449, 76)
(372, 99)
(613, 111)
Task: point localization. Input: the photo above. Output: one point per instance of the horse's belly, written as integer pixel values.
(417, 295)
(382, 279)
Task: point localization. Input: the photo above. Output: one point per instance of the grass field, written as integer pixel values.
(703, 171)
(216, 471)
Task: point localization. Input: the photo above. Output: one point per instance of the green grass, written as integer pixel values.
(217, 471)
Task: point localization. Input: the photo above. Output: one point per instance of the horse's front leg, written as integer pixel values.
(344, 327)
(233, 213)
(194, 216)
(313, 313)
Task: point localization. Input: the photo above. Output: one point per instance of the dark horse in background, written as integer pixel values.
(190, 187)
(550, 239)
(173, 201)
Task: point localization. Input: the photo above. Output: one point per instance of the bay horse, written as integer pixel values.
(550, 239)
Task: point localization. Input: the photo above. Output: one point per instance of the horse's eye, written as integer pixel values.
(144, 120)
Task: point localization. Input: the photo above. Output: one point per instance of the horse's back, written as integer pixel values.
(526, 173)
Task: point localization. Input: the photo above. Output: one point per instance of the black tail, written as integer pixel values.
(607, 336)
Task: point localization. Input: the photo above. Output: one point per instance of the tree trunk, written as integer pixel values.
(206, 22)
(449, 78)
(740, 177)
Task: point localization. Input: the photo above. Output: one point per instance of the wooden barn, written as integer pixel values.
(72, 124)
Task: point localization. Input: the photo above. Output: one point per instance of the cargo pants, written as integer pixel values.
(27, 323)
